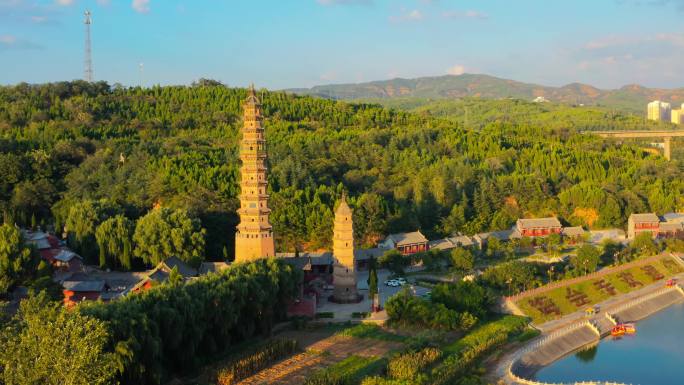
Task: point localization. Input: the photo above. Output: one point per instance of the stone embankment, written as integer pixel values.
(574, 337)
(642, 307)
(554, 347)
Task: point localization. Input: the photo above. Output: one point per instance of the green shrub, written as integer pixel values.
(325, 314)
(362, 314)
(377, 380)
(465, 352)
(349, 371)
(406, 309)
(255, 360)
(370, 331)
(527, 335)
(299, 322)
(407, 366)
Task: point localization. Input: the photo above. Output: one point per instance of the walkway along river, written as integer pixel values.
(533, 364)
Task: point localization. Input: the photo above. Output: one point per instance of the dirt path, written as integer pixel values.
(319, 354)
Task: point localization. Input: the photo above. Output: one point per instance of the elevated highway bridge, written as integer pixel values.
(666, 135)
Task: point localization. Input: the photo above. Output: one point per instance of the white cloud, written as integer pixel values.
(141, 6)
(7, 39)
(13, 42)
(470, 14)
(414, 15)
(64, 2)
(654, 60)
(458, 69)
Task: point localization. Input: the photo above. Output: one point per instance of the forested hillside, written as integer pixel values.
(630, 98)
(476, 113)
(116, 152)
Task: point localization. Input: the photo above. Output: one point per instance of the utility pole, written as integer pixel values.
(88, 71)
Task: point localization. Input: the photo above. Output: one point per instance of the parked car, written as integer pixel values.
(401, 280)
(392, 283)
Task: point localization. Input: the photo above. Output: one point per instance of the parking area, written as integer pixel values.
(346, 310)
(616, 235)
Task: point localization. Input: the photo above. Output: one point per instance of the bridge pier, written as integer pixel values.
(667, 135)
(667, 147)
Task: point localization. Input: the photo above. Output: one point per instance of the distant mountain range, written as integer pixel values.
(630, 97)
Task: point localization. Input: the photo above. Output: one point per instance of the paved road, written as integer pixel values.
(343, 311)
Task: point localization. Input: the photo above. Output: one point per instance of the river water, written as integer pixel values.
(654, 356)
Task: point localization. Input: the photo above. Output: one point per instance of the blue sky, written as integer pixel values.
(301, 43)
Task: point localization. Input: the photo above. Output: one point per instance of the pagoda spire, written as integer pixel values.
(344, 269)
(254, 237)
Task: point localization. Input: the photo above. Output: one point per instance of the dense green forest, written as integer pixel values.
(95, 159)
(146, 338)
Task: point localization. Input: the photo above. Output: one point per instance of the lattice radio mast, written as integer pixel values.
(88, 71)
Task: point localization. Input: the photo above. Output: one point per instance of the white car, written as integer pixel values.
(392, 283)
(402, 281)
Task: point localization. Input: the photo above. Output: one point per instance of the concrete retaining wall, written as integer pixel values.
(554, 347)
(573, 338)
(643, 307)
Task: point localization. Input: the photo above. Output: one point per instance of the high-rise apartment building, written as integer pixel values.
(659, 111)
(678, 116)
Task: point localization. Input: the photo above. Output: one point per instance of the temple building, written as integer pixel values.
(344, 271)
(406, 243)
(670, 225)
(254, 237)
(538, 227)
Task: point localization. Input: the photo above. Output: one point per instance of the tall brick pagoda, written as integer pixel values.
(344, 272)
(254, 237)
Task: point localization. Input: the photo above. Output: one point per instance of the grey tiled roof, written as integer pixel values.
(210, 267)
(412, 238)
(673, 217)
(573, 231)
(646, 217)
(442, 244)
(531, 223)
(66, 255)
(316, 259)
(671, 226)
(183, 268)
(81, 286)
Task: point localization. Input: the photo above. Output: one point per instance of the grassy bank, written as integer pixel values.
(561, 298)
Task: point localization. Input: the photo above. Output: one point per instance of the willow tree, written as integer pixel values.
(114, 240)
(16, 260)
(164, 233)
(48, 344)
(82, 221)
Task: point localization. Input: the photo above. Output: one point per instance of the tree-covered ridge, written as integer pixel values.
(65, 143)
(476, 112)
(632, 98)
